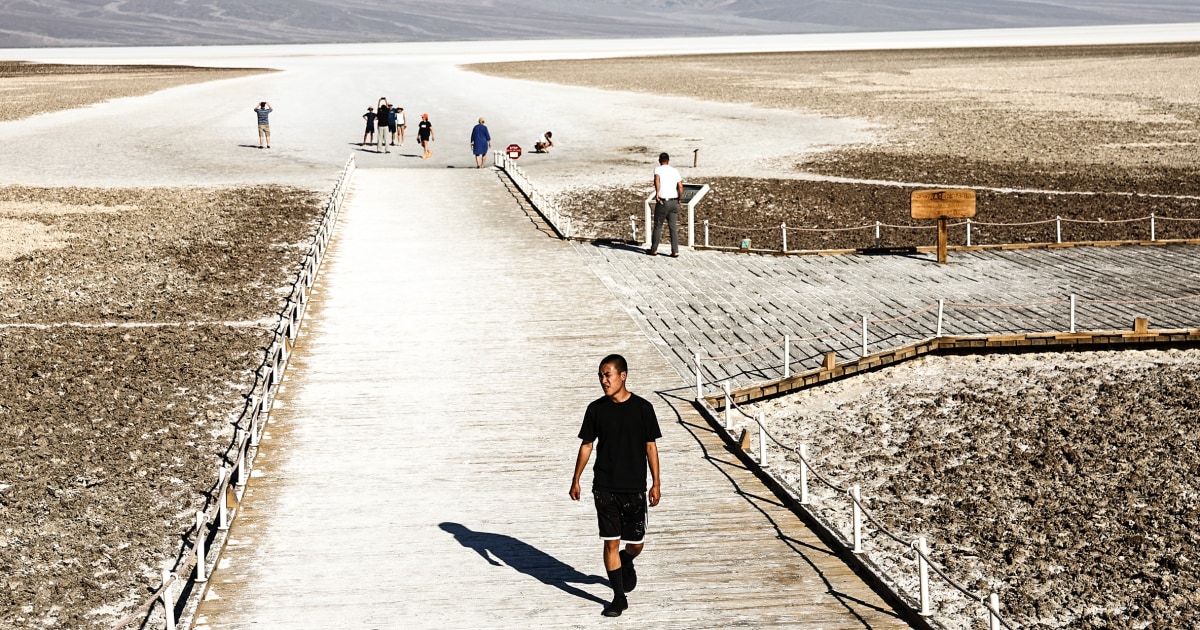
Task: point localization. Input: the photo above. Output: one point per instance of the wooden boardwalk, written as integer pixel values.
(418, 459)
(721, 304)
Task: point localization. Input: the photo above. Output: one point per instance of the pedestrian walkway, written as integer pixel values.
(721, 304)
(416, 468)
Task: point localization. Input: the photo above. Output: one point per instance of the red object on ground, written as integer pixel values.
(513, 151)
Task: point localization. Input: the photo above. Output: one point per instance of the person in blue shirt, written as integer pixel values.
(370, 132)
(264, 125)
(481, 143)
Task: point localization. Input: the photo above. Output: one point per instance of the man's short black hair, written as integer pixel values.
(617, 361)
(663, 157)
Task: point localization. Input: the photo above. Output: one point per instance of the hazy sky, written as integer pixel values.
(39, 23)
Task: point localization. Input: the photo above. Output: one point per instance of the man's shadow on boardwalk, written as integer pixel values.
(500, 550)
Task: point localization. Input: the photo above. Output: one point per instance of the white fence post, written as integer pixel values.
(728, 408)
(855, 496)
(787, 356)
(222, 499)
(699, 380)
(1058, 229)
(968, 232)
(706, 232)
(167, 600)
(803, 474)
(994, 612)
(923, 573)
(1072, 313)
(762, 440)
(1152, 235)
(241, 458)
(941, 311)
(783, 227)
(200, 555)
(633, 226)
(878, 232)
(864, 339)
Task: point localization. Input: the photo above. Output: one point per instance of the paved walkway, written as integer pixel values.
(419, 457)
(721, 304)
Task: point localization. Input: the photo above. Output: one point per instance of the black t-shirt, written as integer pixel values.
(384, 112)
(425, 129)
(623, 430)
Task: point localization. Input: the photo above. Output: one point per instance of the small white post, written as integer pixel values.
(254, 429)
(241, 458)
(803, 474)
(699, 380)
(941, 311)
(993, 612)
(1072, 313)
(168, 600)
(222, 499)
(728, 408)
(864, 339)
(1058, 229)
(854, 494)
(1152, 235)
(762, 440)
(568, 233)
(878, 232)
(706, 232)
(787, 356)
(783, 227)
(968, 232)
(923, 572)
(200, 555)
(633, 226)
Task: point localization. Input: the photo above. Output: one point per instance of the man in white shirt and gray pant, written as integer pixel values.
(668, 188)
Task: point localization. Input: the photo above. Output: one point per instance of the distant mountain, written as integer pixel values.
(41, 23)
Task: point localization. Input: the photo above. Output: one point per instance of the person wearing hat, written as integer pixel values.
(425, 136)
(668, 189)
(481, 143)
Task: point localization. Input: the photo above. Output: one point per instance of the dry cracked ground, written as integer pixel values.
(132, 322)
(1082, 132)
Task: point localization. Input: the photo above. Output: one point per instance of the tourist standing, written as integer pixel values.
(264, 124)
(425, 136)
(627, 429)
(668, 189)
(382, 115)
(401, 123)
(370, 132)
(481, 143)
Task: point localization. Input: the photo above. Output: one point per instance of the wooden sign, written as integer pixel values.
(943, 204)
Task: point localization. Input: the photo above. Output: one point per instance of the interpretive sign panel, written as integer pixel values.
(943, 204)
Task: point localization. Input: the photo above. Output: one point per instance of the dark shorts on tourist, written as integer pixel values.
(622, 516)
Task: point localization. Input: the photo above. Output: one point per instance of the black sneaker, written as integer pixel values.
(616, 608)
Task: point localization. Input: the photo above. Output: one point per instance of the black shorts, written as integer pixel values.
(622, 516)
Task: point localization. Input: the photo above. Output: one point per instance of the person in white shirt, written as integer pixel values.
(668, 188)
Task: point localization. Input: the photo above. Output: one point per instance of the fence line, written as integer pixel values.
(860, 511)
(559, 222)
(212, 523)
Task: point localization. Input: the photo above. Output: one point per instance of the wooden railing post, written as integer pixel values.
(923, 574)
(168, 600)
(855, 497)
(803, 474)
(201, 576)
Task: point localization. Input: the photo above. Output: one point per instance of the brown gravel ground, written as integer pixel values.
(1111, 119)
(109, 434)
(1067, 486)
(31, 89)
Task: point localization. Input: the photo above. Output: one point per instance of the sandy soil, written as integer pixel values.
(1114, 119)
(32, 89)
(1066, 485)
(131, 324)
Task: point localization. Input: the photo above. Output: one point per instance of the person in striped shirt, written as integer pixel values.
(264, 126)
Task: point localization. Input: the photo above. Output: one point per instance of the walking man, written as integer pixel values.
(264, 124)
(425, 136)
(627, 429)
(668, 188)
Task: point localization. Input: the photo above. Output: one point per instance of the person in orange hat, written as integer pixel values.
(425, 136)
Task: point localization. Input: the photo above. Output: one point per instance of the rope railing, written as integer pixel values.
(559, 221)
(193, 564)
(783, 229)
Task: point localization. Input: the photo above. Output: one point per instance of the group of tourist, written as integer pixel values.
(386, 124)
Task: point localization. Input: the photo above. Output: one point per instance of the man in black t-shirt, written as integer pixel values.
(627, 429)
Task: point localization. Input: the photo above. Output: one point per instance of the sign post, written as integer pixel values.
(513, 151)
(943, 205)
